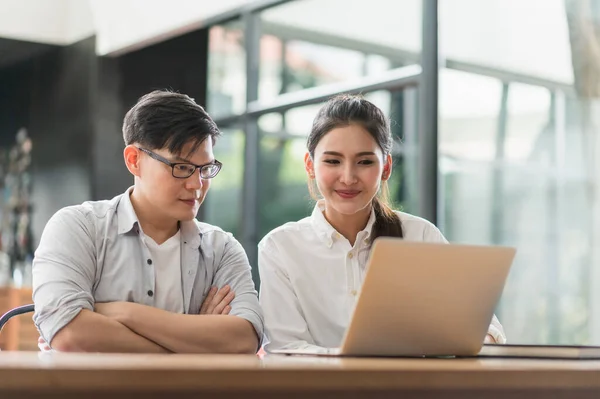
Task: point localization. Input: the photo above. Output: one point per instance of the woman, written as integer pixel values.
(311, 270)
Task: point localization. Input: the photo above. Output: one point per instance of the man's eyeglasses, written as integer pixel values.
(183, 170)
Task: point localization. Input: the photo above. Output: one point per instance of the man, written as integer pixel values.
(139, 273)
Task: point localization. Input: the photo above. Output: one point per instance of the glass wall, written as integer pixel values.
(518, 149)
(311, 43)
(513, 160)
(226, 70)
(222, 206)
(303, 45)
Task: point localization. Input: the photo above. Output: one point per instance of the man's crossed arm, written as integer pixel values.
(132, 327)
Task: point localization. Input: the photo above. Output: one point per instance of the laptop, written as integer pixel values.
(423, 299)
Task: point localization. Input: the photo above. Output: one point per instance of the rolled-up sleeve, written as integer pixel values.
(497, 331)
(63, 271)
(234, 270)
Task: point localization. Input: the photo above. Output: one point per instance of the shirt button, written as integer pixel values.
(353, 292)
(149, 261)
(150, 293)
(350, 256)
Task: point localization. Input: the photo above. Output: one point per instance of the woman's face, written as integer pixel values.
(348, 167)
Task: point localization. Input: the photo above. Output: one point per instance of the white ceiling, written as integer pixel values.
(526, 36)
(119, 25)
(58, 22)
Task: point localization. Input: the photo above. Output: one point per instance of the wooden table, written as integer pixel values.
(89, 376)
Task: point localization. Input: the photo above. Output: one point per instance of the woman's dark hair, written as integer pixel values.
(164, 119)
(345, 110)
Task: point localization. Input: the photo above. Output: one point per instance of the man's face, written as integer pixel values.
(176, 198)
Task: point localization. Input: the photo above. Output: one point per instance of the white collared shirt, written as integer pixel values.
(311, 275)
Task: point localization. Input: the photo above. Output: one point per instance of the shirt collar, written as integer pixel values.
(325, 231)
(126, 214)
(128, 220)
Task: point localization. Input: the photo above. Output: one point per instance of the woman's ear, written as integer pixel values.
(387, 168)
(309, 166)
(132, 159)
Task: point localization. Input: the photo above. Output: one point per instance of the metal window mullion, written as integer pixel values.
(391, 80)
(249, 203)
(428, 114)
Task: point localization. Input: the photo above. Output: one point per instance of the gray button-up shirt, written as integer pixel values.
(95, 252)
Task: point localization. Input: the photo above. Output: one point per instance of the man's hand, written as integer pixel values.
(217, 301)
(43, 345)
